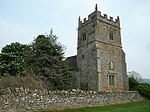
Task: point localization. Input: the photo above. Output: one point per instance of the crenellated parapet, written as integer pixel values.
(96, 15)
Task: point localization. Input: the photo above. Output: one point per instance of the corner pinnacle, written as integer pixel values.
(79, 18)
(96, 8)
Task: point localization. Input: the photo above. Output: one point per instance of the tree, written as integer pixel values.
(45, 59)
(12, 59)
(134, 80)
(135, 75)
(133, 84)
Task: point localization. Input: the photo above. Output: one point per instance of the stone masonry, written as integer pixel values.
(100, 62)
(26, 100)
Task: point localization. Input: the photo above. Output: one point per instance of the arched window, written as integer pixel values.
(111, 65)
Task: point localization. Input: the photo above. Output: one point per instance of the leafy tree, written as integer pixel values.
(12, 59)
(133, 84)
(46, 60)
(135, 75)
(134, 80)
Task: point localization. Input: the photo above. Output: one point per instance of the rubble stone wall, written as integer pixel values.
(25, 100)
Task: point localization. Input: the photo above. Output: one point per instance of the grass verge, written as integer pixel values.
(143, 106)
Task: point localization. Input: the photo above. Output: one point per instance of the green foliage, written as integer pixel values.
(133, 84)
(134, 80)
(144, 89)
(12, 59)
(46, 56)
(136, 85)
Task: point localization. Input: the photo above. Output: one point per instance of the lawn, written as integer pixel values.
(143, 106)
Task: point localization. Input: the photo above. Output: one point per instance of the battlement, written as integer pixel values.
(96, 15)
(110, 19)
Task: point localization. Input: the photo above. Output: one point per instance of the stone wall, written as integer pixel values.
(24, 100)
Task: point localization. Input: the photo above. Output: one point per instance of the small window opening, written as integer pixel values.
(82, 56)
(111, 36)
(84, 36)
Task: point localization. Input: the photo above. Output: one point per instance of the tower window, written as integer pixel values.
(111, 80)
(111, 65)
(82, 56)
(84, 36)
(111, 36)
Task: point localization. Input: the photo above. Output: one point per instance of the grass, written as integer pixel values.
(143, 106)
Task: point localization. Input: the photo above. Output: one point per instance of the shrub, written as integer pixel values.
(28, 81)
(144, 89)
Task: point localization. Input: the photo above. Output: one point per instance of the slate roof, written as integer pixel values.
(72, 62)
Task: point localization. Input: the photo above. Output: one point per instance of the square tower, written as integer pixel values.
(100, 58)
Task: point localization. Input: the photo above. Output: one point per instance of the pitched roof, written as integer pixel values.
(72, 62)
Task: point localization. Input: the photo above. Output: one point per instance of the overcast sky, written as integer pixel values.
(23, 20)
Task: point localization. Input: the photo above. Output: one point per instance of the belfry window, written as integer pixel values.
(111, 79)
(111, 65)
(84, 36)
(82, 56)
(111, 36)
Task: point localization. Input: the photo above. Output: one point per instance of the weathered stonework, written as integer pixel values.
(26, 100)
(99, 48)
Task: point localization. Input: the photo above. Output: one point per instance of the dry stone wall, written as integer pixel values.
(24, 100)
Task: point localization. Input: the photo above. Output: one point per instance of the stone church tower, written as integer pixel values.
(100, 60)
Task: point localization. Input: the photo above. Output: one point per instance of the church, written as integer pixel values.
(100, 61)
